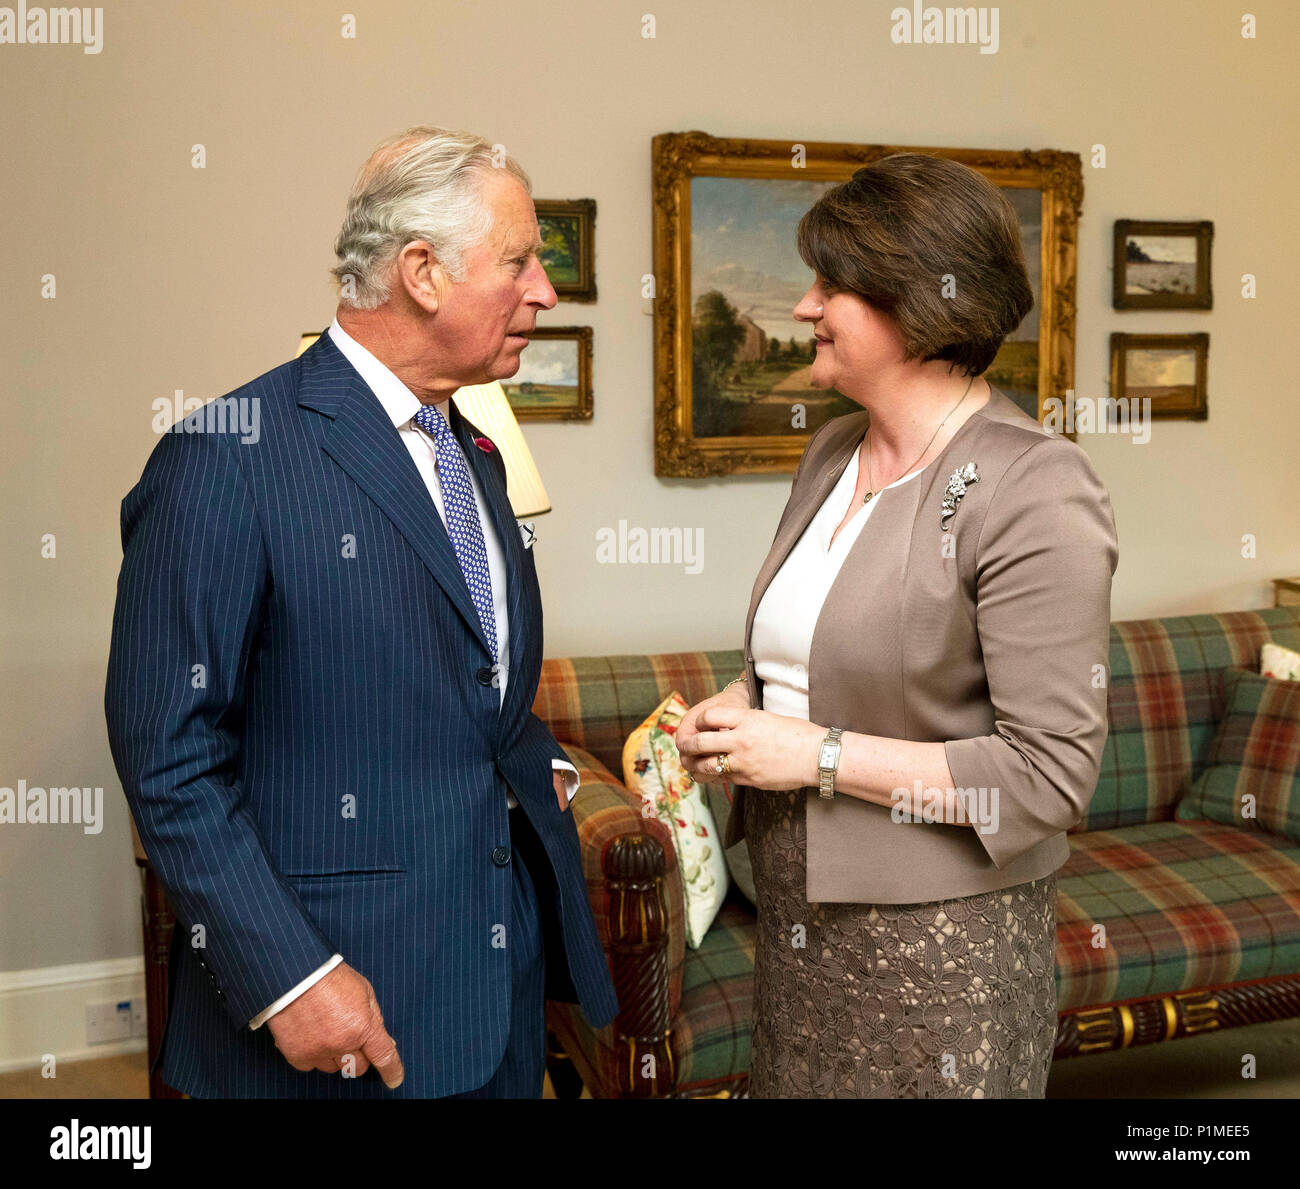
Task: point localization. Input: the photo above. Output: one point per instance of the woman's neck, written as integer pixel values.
(904, 418)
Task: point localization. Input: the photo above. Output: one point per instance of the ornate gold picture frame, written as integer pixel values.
(1046, 186)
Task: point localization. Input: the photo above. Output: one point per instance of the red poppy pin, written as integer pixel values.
(485, 445)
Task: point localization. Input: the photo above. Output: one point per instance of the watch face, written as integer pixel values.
(827, 757)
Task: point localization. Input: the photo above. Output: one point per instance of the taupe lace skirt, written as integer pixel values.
(954, 999)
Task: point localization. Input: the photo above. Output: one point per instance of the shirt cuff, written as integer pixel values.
(572, 780)
(289, 996)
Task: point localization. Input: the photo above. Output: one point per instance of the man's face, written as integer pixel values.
(481, 320)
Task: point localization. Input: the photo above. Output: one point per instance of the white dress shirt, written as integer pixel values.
(401, 405)
(781, 641)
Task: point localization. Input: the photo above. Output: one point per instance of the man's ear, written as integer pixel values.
(418, 272)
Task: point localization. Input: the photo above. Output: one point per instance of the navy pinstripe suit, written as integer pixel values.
(301, 712)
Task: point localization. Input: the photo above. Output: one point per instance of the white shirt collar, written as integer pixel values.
(400, 403)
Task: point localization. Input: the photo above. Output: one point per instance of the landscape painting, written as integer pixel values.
(553, 382)
(733, 389)
(1169, 370)
(568, 232)
(751, 362)
(1162, 266)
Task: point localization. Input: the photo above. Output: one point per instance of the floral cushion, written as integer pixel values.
(652, 770)
(1279, 662)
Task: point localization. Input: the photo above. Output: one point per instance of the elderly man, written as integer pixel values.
(325, 649)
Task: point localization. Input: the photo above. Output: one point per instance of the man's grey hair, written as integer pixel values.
(422, 184)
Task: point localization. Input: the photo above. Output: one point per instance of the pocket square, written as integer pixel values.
(527, 533)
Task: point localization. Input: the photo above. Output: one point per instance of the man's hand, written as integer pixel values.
(561, 795)
(336, 1025)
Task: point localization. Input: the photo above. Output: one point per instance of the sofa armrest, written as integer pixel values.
(609, 819)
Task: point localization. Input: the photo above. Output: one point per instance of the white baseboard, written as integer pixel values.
(43, 1011)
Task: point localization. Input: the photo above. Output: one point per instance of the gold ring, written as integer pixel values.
(724, 764)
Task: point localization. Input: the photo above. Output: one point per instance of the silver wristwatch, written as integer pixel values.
(828, 762)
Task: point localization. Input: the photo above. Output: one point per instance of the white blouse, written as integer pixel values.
(787, 614)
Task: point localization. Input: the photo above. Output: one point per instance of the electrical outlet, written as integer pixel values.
(107, 1022)
(139, 1022)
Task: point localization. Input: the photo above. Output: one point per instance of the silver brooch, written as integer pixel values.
(958, 481)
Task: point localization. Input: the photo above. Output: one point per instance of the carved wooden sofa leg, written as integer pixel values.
(645, 1067)
(1169, 1017)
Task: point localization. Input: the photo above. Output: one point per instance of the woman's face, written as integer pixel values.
(853, 338)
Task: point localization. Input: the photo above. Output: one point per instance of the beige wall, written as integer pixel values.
(170, 277)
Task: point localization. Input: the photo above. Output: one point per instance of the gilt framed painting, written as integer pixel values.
(732, 392)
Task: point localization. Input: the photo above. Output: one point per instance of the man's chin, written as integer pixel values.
(506, 367)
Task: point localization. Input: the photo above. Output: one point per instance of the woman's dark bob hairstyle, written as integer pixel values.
(907, 230)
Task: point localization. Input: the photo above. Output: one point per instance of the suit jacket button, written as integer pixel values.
(501, 856)
(484, 676)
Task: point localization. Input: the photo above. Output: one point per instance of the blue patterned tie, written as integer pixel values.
(463, 524)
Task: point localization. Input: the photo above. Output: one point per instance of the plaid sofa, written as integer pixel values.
(1201, 920)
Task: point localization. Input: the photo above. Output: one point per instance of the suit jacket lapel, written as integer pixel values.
(365, 443)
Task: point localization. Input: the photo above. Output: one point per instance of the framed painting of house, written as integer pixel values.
(732, 393)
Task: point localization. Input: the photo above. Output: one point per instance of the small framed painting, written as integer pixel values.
(553, 382)
(568, 231)
(1162, 266)
(1169, 369)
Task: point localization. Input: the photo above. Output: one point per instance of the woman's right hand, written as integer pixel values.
(734, 695)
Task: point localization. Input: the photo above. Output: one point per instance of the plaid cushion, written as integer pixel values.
(1256, 752)
(596, 702)
(1166, 698)
(1186, 905)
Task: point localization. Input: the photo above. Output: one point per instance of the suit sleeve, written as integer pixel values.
(1044, 561)
(189, 601)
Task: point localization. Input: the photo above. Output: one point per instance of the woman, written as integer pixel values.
(923, 709)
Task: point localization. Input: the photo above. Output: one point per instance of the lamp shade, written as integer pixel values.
(488, 408)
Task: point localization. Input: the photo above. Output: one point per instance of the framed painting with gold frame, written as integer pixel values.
(1162, 266)
(553, 382)
(725, 213)
(1168, 369)
(568, 230)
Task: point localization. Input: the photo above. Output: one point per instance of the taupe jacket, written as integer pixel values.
(991, 638)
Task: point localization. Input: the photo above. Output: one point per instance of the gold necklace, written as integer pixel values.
(866, 499)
